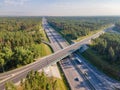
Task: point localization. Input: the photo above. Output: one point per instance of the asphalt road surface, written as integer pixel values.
(66, 65)
(98, 80)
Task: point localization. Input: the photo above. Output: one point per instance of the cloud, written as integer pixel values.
(15, 2)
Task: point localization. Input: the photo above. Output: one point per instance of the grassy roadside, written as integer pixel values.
(67, 86)
(44, 36)
(99, 62)
(45, 49)
(60, 84)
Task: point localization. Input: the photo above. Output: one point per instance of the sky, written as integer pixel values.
(59, 7)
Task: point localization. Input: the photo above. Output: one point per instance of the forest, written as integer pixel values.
(75, 27)
(19, 41)
(108, 44)
(107, 50)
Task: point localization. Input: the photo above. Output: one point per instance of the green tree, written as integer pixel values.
(2, 63)
(8, 53)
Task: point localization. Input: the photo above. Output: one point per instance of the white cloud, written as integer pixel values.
(15, 2)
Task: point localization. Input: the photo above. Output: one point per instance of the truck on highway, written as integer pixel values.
(80, 62)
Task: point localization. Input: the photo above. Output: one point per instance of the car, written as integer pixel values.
(76, 79)
(85, 73)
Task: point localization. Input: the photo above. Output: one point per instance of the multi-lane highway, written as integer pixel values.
(98, 80)
(95, 79)
(59, 43)
(18, 74)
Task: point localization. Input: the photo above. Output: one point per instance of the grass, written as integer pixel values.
(60, 84)
(100, 63)
(45, 49)
(67, 86)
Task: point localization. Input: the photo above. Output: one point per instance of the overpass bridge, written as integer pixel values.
(18, 74)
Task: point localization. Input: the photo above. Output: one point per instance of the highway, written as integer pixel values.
(65, 64)
(97, 80)
(103, 81)
(18, 74)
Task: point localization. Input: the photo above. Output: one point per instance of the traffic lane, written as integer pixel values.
(86, 83)
(107, 80)
(71, 75)
(22, 75)
(98, 82)
(98, 35)
(53, 41)
(67, 64)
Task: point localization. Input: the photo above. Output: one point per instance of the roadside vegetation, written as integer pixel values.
(67, 86)
(77, 28)
(44, 36)
(104, 53)
(21, 41)
(37, 81)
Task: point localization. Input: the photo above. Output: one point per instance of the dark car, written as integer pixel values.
(76, 79)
